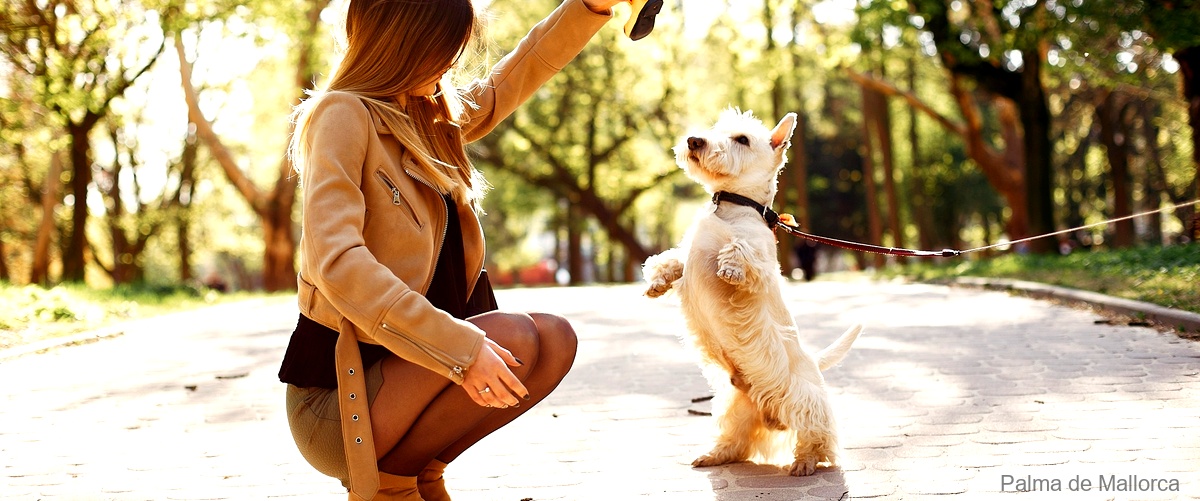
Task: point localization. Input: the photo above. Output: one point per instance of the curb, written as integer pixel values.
(1178, 320)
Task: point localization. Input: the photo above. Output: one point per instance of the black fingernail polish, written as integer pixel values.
(519, 362)
(526, 397)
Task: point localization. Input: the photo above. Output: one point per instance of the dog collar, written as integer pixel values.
(769, 216)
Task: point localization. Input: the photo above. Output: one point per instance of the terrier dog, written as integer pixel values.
(726, 272)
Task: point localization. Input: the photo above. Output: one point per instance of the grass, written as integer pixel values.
(1166, 276)
(29, 313)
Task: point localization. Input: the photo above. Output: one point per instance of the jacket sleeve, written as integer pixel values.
(548, 47)
(383, 308)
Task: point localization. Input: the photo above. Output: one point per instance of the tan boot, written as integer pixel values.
(431, 484)
(395, 488)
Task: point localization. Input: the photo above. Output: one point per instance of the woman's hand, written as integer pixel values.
(489, 382)
(601, 6)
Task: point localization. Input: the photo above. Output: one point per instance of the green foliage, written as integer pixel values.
(595, 138)
(637, 98)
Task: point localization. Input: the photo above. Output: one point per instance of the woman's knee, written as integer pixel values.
(516, 332)
(556, 334)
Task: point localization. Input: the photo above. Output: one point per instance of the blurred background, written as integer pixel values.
(142, 141)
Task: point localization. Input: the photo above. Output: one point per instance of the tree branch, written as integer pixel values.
(890, 89)
(206, 133)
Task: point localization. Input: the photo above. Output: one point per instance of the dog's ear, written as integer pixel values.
(782, 135)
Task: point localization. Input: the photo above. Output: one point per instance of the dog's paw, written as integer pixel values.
(721, 454)
(657, 289)
(803, 467)
(732, 275)
(709, 460)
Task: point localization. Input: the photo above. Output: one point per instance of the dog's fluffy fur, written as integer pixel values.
(726, 273)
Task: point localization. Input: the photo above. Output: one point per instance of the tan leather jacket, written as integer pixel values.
(373, 229)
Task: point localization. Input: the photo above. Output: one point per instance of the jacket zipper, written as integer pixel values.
(454, 366)
(397, 199)
(471, 284)
(445, 215)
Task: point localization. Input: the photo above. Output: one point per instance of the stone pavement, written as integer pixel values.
(956, 392)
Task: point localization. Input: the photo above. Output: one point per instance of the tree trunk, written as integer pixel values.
(883, 133)
(183, 201)
(595, 207)
(1153, 188)
(922, 208)
(4, 275)
(1039, 172)
(574, 244)
(1109, 113)
(1077, 185)
(279, 268)
(874, 225)
(73, 259)
(1189, 64)
(39, 273)
(122, 271)
(630, 268)
(184, 241)
(274, 208)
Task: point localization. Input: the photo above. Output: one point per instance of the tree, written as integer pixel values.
(1174, 26)
(1136, 57)
(30, 171)
(274, 206)
(998, 47)
(81, 56)
(587, 141)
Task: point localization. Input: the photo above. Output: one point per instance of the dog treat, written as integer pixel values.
(641, 21)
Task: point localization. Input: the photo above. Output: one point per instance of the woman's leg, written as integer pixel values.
(556, 353)
(419, 416)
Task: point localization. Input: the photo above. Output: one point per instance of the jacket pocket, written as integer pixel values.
(398, 196)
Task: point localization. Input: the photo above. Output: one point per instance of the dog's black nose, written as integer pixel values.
(695, 143)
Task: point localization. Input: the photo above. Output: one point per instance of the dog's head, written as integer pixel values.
(738, 154)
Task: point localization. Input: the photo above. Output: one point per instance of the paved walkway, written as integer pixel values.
(950, 392)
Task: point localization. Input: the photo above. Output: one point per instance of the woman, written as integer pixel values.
(398, 363)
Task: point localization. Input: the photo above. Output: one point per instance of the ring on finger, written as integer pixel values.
(486, 389)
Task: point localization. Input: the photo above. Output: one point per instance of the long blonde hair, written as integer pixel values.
(392, 48)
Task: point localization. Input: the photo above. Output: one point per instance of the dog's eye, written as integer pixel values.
(742, 140)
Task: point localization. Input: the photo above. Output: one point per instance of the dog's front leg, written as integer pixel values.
(662, 270)
(734, 263)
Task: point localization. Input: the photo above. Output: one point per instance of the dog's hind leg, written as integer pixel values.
(812, 448)
(662, 270)
(808, 411)
(741, 428)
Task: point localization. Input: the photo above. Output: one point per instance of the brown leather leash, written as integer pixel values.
(788, 223)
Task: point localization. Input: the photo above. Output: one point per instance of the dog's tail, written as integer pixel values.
(834, 353)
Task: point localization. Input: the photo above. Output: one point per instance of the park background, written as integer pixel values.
(142, 142)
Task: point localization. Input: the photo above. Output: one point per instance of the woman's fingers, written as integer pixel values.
(506, 376)
(516, 387)
(490, 383)
(504, 354)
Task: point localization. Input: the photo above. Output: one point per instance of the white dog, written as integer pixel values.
(726, 273)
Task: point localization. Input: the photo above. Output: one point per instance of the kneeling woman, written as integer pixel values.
(399, 361)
